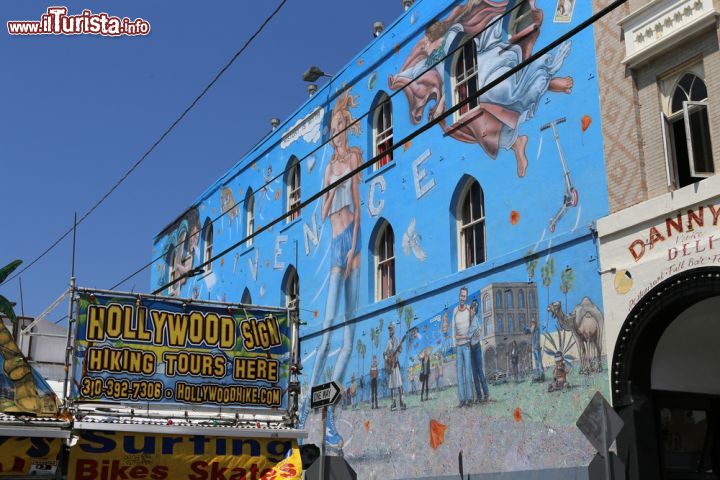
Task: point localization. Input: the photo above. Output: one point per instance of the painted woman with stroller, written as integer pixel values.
(342, 206)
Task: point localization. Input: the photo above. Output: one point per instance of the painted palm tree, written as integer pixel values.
(409, 316)
(567, 282)
(531, 261)
(15, 366)
(547, 272)
(362, 350)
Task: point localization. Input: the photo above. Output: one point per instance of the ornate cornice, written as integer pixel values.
(661, 24)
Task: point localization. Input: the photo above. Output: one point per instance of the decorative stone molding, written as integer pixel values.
(661, 24)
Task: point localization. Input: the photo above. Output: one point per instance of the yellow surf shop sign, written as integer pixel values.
(25, 456)
(101, 455)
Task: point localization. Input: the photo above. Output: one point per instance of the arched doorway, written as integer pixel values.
(666, 380)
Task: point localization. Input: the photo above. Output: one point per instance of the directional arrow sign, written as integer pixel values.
(324, 395)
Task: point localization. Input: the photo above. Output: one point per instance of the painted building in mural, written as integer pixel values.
(660, 90)
(452, 287)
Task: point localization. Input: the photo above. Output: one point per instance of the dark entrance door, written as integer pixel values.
(666, 380)
(689, 435)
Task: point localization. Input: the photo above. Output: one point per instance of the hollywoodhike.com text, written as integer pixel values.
(57, 22)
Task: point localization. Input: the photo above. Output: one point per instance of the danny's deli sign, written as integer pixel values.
(685, 239)
(683, 234)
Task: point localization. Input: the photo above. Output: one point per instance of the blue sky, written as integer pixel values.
(77, 111)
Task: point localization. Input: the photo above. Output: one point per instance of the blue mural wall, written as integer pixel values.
(522, 330)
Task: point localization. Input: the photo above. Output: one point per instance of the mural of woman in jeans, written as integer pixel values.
(342, 206)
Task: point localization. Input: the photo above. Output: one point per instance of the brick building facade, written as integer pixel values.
(659, 78)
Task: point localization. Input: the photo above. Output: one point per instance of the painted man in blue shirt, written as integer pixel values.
(482, 392)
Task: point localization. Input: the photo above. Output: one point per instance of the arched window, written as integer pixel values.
(488, 326)
(508, 299)
(498, 299)
(246, 297)
(486, 303)
(292, 189)
(520, 19)
(249, 216)
(385, 263)
(687, 132)
(500, 324)
(471, 226)
(531, 299)
(465, 79)
(383, 131)
(521, 299)
(510, 323)
(207, 244)
(291, 285)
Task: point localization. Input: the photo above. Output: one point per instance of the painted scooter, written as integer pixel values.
(570, 195)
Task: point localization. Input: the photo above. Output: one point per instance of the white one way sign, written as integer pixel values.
(324, 395)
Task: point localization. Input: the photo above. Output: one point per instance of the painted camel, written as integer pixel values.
(586, 324)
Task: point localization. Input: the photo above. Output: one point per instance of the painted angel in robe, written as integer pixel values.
(493, 120)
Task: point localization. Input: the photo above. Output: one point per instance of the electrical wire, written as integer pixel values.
(156, 143)
(326, 142)
(431, 123)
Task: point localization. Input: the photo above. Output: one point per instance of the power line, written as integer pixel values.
(431, 123)
(156, 143)
(323, 144)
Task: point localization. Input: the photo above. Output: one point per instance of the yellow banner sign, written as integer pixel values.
(28, 456)
(129, 456)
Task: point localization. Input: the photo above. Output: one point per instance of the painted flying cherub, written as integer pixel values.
(493, 121)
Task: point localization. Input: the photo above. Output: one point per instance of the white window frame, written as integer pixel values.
(668, 87)
(208, 237)
(249, 218)
(386, 135)
(464, 78)
(463, 228)
(386, 264)
(292, 191)
(688, 134)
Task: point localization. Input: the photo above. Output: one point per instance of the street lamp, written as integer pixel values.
(313, 73)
